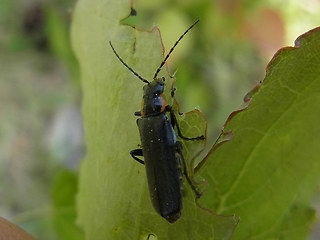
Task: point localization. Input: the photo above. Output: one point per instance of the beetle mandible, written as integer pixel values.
(160, 148)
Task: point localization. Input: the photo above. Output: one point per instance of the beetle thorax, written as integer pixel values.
(153, 102)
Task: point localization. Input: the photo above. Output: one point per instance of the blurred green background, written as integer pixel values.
(41, 142)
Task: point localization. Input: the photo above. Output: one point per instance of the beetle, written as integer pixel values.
(160, 148)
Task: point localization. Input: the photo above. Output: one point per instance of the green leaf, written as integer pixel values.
(113, 200)
(63, 197)
(270, 169)
(58, 39)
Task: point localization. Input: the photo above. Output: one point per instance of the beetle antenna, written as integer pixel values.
(165, 59)
(131, 70)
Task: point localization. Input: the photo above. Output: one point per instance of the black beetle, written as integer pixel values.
(160, 148)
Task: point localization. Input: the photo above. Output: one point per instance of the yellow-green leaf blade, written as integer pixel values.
(272, 165)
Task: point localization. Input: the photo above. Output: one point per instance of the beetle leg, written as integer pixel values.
(150, 235)
(185, 172)
(172, 91)
(138, 113)
(174, 122)
(137, 152)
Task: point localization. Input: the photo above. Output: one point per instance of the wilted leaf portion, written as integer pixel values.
(12, 231)
(270, 169)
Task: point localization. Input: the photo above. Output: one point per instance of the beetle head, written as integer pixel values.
(156, 87)
(153, 99)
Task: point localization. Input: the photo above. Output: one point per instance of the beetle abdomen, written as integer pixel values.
(158, 141)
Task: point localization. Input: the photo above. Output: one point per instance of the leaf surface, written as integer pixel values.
(268, 172)
(113, 200)
(64, 211)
